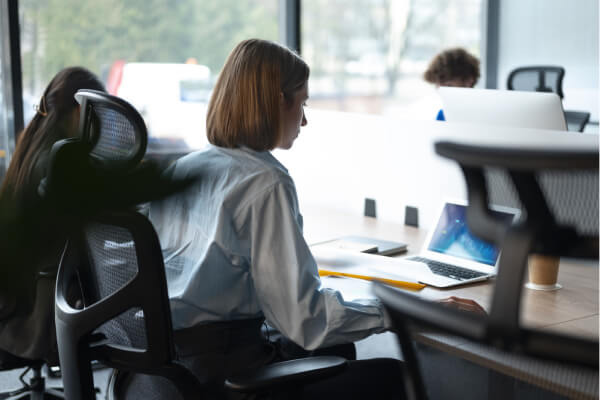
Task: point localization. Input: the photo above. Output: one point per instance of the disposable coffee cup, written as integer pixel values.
(543, 272)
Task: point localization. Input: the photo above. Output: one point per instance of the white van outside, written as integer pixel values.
(172, 99)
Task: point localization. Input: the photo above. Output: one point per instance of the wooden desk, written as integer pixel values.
(572, 309)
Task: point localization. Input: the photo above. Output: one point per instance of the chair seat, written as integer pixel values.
(292, 373)
(577, 120)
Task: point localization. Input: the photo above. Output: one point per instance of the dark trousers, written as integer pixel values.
(220, 350)
(377, 378)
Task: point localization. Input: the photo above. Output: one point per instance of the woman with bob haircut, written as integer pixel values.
(245, 108)
(233, 245)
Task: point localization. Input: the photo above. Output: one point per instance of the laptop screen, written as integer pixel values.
(452, 237)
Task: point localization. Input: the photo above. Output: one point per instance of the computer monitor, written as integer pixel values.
(503, 108)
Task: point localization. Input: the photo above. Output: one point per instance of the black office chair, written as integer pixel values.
(116, 257)
(537, 79)
(546, 79)
(548, 228)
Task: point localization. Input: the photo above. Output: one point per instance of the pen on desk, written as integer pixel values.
(391, 282)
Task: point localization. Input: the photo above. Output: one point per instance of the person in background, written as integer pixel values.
(56, 118)
(452, 67)
(37, 235)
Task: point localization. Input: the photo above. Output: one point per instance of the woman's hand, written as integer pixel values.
(463, 304)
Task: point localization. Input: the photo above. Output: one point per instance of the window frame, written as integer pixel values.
(491, 34)
(12, 88)
(289, 24)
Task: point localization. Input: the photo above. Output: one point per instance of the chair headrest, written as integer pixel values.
(113, 128)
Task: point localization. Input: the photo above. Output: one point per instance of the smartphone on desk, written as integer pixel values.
(366, 245)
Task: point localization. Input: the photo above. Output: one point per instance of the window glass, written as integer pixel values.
(6, 113)
(162, 56)
(370, 55)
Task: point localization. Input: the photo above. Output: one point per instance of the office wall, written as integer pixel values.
(556, 32)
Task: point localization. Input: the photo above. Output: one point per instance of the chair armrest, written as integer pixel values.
(287, 373)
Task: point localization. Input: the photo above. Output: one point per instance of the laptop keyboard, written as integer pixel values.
(448, 270)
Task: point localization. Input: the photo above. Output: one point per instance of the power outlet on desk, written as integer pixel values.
(370, 208)
(411, 216)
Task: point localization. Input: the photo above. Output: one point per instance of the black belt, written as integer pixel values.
(218, 337)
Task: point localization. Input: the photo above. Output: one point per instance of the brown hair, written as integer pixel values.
(452, 64)
(244, 106)
(51, 123)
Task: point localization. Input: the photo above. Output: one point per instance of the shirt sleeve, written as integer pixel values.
(287, 283)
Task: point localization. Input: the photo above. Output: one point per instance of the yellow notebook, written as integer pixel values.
(391, 282)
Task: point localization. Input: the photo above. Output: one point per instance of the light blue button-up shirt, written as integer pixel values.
(234, 249)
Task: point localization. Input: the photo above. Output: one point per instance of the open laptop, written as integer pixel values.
(453, 254)
(513, 108)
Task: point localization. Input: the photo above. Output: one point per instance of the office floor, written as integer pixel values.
(452, 375)
(383, 345)
(9, 380)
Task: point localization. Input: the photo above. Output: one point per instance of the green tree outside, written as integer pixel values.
(95, 33)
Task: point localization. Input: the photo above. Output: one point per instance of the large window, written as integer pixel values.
(161, 55)
(5, 126)
(370, 55)
(7, 110)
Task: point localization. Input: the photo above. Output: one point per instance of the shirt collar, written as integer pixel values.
(266, 156)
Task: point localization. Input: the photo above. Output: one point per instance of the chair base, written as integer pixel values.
(27, 394)
(34, 390)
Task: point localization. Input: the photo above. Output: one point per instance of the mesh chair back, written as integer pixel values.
(113, 264)
(113, 128)
(126, 318)
(558, 191)
(572, 196)
(537, 79)
(122, 259)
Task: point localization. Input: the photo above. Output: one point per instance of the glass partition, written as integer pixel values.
(7, 126)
